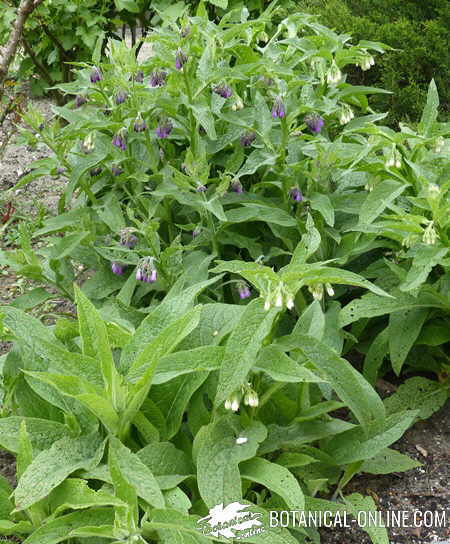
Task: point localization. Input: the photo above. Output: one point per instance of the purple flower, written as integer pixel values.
(116, 170)
(314, 122)
(139, 76)
(201, 188)
(223, 90)
(185, 31)
(60, 170)
(295, 194)
(158, 78)
(236, 186)
(196, 232)
(95, 171)
(139, 125)
(146, 270)
(127, 238)
(121, 96)
(96, 75)
(278, 109)
(119, 140)
(80, 100)
(267, 81)
(247, 139)
(117, 268)
(243, 290)
(164, 129)
(180, 59)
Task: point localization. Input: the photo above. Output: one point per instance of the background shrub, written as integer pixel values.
(418, 32)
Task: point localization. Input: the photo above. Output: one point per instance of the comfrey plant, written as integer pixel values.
(230, 147)
(132, 431)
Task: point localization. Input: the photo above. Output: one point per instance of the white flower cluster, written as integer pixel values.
(246, 393)
(346, 114)
(279, 297)
(366, 62)
(394, 159)
(430, 236)
(317, 290)
(334, 75)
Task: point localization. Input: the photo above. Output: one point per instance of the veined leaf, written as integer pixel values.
(218, 457)
(242, 348)
(388, 461)
(52, 466)
(403, 330)
(43, 433)
(348, 383)
(276, 478)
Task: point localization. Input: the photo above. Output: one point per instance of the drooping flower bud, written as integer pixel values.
(120, 140)
(316, 291)
(87, 145)
(158, 78)
(185, 31)
(163, 129)
(366, 62)
(278, 109)
(238, 105)
(96, 75)
(146, 270)
(180, 59)
(295, 194)
(116, 170)
(139, 125)
(121, 96)
(430, 236)
(80, 100)
(314, 122)
(196, 232)
(223, 90)
(243, 290)
(139, 77)
(96, 171)
(236, 186)
(117, 268)
(251, 398)
(233, 402)
(334, 75)
(329, 289)
(247, 138)
(127, 238)
(201, 188)
(346, 114)
(266, 81)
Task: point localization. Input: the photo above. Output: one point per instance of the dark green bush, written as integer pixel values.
(418, 32)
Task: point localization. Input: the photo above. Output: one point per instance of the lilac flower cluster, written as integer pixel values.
(146, 270)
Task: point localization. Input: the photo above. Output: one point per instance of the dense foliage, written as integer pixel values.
(246, 233)
(418, 32)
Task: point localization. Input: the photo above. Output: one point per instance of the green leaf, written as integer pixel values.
(256, 212)
(172, 398)
(301, 275)
(382, 196)
(276, 478)
(348, 383)
(169, 465)
(424, 259)
(52, 466)
(137, 474)
(61, 528)
(255, 160)
(322, 204)
(94, 339)
(430, 112)
(417, 393)
(297, 434)
(218, 457)
(388, 461)
(67, 245)
(242, 348)
(32, 298)
(219, 3)
(75, 494)
(354, 445)
(201, 359)
(357, 503)
(403, 330)
(174, 527)
(281, 368)
(42, 432)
